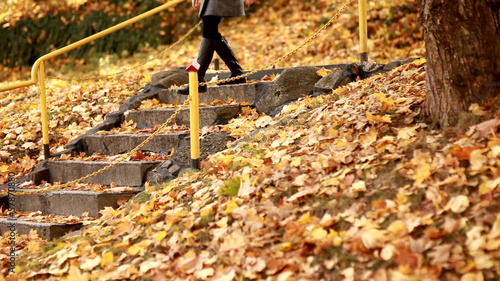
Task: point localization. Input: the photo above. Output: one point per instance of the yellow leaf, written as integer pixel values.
(231, 205)
(206, 211)
(322, 72)
(306, 218)
(148, 265)
(286, 246)
(149, 188)
(373, 238)
(376, 118)
(388, 252)
(90, 263)
(337, 241)
(74, 273)
(160, 235)
(472, 276)
(134, 250)
(204, 273)
(488, 186)
(407, 132)
(422, 172)
(263, 121)
(382, 98)
(477, 159)
(319, 233)
(145, 79)
(107, 258)
(300, 180)
(358, 186)
(419, 62)
(458, 204)
(397, 227)
(295, 162)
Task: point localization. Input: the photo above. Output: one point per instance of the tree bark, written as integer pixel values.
(462, 40)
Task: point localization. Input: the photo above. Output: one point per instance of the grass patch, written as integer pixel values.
(141, 197)
(52, 247)
(320, 205)
(388, 220)
(202, 236)
(231, 187)
(287, 193)
(416, 200)
(205, 220)
(341, 225)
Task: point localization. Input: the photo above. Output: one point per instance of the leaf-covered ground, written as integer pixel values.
(90, 90)
(348, 186)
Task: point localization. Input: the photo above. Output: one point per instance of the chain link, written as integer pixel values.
(186, 102)
(109, 76)
(122, 158)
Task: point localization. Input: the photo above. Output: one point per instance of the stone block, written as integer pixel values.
(123, 174)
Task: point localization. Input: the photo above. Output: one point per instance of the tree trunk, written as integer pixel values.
(462, 40)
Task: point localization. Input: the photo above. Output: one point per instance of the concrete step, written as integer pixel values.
(209, 115)
(132, 173)
(71, 202)
(239, 93)
(45, 230)
(122, 143)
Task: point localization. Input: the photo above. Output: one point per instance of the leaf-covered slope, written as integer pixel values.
(349, 186)
(78, 105)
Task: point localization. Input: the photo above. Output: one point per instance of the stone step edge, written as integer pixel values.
(209, 107)
(72, 202)
(45, 230)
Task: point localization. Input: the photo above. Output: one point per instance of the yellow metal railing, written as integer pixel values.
(38, 68)
(363, 31)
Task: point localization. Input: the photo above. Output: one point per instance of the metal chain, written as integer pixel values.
(111, 165)
(108, 76)
(334, 17)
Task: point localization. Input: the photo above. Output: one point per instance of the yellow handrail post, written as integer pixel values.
(363, 31)
(43, 110)
(194, 115)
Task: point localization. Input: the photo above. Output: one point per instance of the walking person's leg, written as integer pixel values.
(207, 48)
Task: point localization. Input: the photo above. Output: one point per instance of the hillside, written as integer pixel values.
(348, 186)
(90, 89)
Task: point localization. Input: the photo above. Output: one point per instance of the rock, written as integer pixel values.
(292, 84)
(333, 80)
(167, 78)
(174, 169)
(40, 173)
(166, 171)
(209, 144)
(393, 64)
(367, 69)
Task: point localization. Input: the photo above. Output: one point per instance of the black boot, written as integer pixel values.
(205, 55)
(226, 53)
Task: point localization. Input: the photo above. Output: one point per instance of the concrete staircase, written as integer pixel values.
(132, 174)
